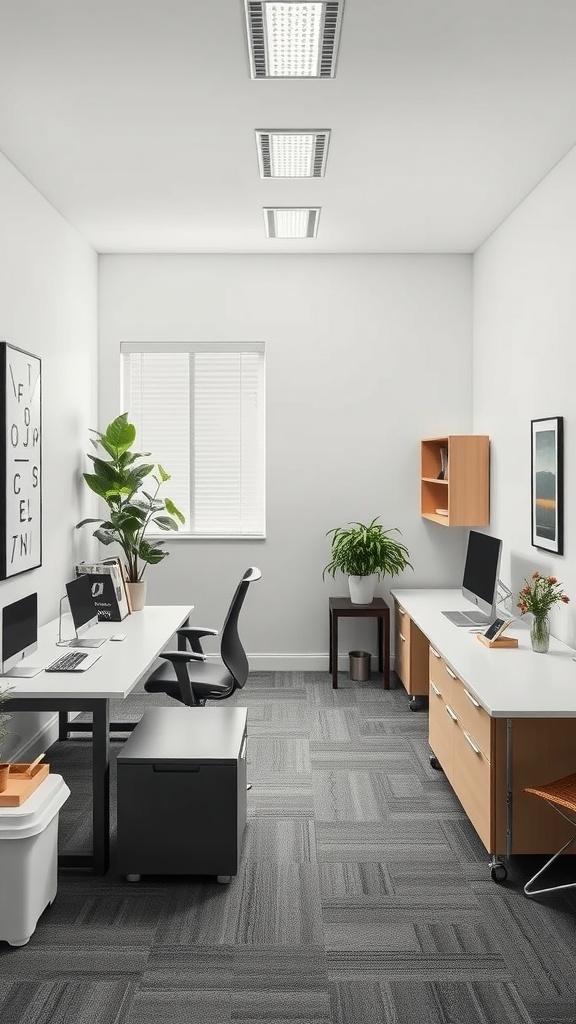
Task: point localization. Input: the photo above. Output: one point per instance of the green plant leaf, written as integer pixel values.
(171, 508)
(120, 433)
(165, 523)
(164, 475)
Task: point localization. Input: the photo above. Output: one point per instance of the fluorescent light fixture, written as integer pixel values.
(285, 154)
(291, 222)
(293, 38)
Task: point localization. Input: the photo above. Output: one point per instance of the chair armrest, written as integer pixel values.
(181, 656)
(196, 631)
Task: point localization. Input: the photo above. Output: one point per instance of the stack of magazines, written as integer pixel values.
(109, 591)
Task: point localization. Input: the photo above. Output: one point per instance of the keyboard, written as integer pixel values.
(74, 661)
(467, 618)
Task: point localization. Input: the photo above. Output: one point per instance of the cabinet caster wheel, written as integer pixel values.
(133, 878)
(498, 872)
(435, 763)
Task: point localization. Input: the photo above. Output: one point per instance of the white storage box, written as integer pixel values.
(29, 859)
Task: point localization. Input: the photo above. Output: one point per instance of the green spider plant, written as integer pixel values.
(121, 481)
(360, 550)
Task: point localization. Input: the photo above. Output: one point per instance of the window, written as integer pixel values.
(199, 409)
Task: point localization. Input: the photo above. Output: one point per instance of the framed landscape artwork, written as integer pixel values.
(547, 485)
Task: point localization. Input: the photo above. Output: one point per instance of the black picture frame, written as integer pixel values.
(547, 484)
(20, 461)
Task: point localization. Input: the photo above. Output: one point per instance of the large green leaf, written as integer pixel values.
(171, 508)
(165, 523)
(120, 433)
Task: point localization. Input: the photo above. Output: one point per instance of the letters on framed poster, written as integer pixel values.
(21, 461)
(548, 484)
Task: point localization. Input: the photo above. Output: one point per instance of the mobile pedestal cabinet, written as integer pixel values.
(182, 793)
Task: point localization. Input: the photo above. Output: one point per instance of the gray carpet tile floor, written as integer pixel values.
(363, 895)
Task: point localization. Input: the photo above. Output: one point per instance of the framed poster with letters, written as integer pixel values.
(21, 461)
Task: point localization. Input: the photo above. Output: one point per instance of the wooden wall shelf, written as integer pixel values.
(465, 492)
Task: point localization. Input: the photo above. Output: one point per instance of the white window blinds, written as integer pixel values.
(199, 410)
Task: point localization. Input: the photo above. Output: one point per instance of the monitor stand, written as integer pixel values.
(23, 671)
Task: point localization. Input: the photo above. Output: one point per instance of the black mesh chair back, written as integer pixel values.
(231, 650)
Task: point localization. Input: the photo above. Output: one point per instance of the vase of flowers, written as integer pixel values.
(538, 595)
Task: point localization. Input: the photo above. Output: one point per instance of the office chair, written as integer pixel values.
(561, 796)
(188, 677)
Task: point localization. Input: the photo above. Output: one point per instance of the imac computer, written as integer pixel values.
(480, 580)
(20, 637)
(84, 612)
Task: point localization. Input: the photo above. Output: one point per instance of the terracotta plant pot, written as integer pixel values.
(4, 772)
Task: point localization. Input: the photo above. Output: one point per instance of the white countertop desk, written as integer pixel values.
(120, 667)
(508, 683)
(529, 738)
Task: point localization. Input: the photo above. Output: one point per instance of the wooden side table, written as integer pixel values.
(377, 609)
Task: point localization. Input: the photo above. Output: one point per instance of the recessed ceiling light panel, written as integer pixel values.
(291, 222)
(285, 154)
(293, 38)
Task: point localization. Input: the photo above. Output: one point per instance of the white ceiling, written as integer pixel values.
(136, 120)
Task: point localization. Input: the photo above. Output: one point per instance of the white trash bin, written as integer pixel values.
(29, 859)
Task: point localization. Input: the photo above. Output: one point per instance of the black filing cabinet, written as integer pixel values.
(182, 793)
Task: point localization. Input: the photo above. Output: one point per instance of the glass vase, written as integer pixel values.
(540, 634)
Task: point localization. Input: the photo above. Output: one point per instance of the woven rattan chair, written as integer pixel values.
(561, 796)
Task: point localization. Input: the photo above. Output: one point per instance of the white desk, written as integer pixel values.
(499, 720)
(120, 667)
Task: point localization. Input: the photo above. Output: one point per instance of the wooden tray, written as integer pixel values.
(500, 643)
(19, 786)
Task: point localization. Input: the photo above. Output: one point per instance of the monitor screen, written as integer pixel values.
(480, 580)
(19, 630)
(84, 611)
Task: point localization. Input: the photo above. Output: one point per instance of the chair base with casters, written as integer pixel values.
(560, 795)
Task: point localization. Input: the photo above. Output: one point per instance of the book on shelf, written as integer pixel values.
(108, 589)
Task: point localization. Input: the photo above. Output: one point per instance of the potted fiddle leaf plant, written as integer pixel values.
(4, 719)
(364, 553)
(130, 487)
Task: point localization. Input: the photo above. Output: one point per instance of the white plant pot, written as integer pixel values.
(362, 588)
(137, 593)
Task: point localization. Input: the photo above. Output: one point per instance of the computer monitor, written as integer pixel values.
(480, 579)
(20, 636)
(84, 611)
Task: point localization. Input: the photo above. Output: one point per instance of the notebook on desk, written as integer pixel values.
(73, 661)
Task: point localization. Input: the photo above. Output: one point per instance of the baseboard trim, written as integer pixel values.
(302, 662)
(36, 744)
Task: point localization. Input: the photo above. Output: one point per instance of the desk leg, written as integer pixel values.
(101, 787)
(62, 725)
(334, 649)
(386, 649)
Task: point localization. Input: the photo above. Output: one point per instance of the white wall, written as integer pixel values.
(48, 306)
(365, 355)
(525, 368)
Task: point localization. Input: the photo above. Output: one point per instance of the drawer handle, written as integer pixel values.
(471, 742)
(451, 713)
(471, 698)
(403, 638)
(401, 611)
(435, 688)
(450, 673)
(435, 653)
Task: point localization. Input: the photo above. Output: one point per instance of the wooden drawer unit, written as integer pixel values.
(473, 784)
(440, 674)
(442, 724)
(473, 718)
(410, 653)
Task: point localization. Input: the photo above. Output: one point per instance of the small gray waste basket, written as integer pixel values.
(359, 666)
